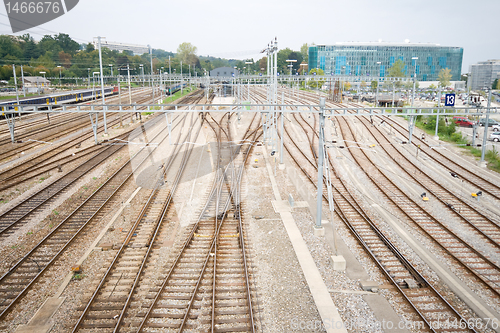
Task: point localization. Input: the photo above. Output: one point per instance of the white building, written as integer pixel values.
(226, 72)
(36, 82)
(483, 74)
(120, 47)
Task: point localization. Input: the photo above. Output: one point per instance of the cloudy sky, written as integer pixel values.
(237, 29)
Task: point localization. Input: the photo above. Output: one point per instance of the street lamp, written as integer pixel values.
(376, 94)
(88, 85)
(291, 61)
(93, 84)
(43, 73)
(142, 70)
(110, 65)
(248, 63)
(303, 67)
(59, 74)
(161, 83)
(414, 80)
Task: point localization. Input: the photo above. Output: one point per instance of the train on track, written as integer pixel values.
(170, 90)
(71, 97)
(58, 99)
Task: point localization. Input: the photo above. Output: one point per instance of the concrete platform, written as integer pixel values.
(322, 298)
(40, 323)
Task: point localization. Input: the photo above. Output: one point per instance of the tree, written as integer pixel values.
(67, 44)
(89, 47)
(318, 81)
(495, 84)
(444, 77)
(65, 59)
(186, 52)
(9, 47)
(263, 64)
(304, 51)
(397, 69)
(432, 87)
(295, 56)
(374, 85)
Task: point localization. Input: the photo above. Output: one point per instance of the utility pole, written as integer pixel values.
(151, 79)
(319, 202)
(17, 93)
(129, 92)
(22, 79)
(120, 97)
(485, 136)
(102, 85)
(437, 118)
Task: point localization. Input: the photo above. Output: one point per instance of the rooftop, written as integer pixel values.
(383, 43)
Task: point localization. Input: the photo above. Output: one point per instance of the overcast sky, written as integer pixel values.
(237, 29)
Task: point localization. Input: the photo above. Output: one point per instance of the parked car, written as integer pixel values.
(495, 136)
(495, 128)
(491, 122)
(463, 121)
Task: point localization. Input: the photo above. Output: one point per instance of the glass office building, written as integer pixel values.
(374, 59)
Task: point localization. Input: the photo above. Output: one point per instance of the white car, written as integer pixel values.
(495, 128)
(495, 136)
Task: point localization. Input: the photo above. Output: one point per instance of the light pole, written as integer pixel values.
(110, 65)
(376, 94)
(88, 85)
(248, 63)
(59, 74)
(414, 80)
(290, 64)
(93, 84)
(161, 84)
(142, 71)
(43, 83)
(411, 118)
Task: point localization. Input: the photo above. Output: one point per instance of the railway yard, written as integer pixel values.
(190, 223)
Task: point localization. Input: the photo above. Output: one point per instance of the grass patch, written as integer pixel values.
(14, 97)
(448, 133)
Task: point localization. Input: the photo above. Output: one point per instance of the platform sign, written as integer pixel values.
(449, 100)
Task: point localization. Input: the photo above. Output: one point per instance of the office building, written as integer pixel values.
(483, 74)
(374, 59)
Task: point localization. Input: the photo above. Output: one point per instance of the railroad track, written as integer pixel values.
(473, 261)
(140, 249)
(424, 301)
(47, 161)
(23, 275)
(208, 283)
(39, 136)
(448, 163)
(477, 222)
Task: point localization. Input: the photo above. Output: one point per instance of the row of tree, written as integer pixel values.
(59, 55)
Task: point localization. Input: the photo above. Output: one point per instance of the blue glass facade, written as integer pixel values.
(375, 59)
